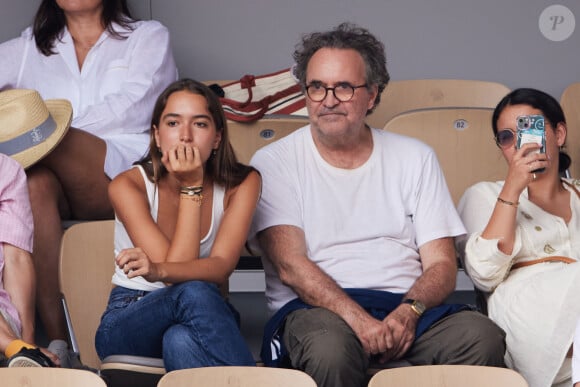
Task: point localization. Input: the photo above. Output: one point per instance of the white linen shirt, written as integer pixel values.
(537, 305)
(113, 94)
(576, 356)
(538, 234)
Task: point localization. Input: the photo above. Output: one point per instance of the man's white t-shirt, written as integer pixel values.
(363, 226)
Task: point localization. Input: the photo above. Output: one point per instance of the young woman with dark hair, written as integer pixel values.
(182, 217)
(523, 241)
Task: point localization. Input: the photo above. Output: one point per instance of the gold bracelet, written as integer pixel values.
(198, 197)
(192, 190)
(507, 202)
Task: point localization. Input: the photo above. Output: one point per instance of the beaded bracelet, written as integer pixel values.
(507, 202)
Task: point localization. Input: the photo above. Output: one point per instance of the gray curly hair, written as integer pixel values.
(346, 36)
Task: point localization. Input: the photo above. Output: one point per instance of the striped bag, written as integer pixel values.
(252, 97)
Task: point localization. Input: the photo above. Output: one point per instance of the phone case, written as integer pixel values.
(531, 129)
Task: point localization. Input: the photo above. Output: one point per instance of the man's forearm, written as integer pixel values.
(317, 288)
(434, 285)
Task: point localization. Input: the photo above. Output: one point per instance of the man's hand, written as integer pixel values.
(402, 323)
(390, 338)
(375, 336)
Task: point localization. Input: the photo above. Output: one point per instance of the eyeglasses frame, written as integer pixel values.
(326, 89)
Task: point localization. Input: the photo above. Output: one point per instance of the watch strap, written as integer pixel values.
(416, 306)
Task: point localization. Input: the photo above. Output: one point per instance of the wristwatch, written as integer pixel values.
(417, 306)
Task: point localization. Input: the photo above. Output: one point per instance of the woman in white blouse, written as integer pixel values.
(524, 241)
(111, 68)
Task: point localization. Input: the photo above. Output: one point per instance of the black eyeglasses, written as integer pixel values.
(505, 138)
(342, 92)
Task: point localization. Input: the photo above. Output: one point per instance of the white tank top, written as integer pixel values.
(122, 240)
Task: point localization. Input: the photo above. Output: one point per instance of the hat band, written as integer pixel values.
(29, 139)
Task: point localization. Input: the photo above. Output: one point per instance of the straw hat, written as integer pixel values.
(30, 127)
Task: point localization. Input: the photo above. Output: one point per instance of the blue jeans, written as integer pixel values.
(189, 325)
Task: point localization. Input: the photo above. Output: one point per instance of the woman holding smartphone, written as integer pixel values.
(523, 242)
(182, 216)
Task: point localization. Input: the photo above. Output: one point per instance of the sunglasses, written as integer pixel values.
(505, 138)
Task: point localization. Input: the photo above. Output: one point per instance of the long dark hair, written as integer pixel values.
(222, 166)
(548, 105)
(50, 21)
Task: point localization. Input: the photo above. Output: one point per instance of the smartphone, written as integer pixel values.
(531, 129)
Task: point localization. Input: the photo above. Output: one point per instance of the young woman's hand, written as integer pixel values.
(134, 262)
(184, 162)
(521, 166)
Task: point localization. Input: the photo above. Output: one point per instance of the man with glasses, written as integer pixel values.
(356, 228)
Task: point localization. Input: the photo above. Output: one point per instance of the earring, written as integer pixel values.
(214, 152)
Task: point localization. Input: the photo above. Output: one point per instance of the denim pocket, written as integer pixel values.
(122, 298)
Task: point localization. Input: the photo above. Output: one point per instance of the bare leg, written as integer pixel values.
(18, 277)
(78, 163)
(20, 284)
(45, 194)
(67, 184)
(7, 335)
